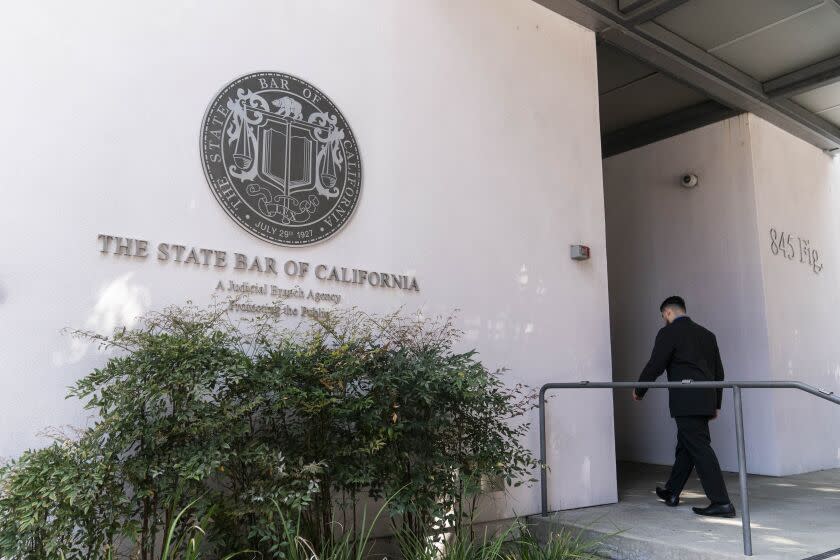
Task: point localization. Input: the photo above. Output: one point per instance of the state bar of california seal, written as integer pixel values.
(281, 159)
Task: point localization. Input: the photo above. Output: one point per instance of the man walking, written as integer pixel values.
(689, 352)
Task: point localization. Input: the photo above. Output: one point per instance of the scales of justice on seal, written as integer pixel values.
(287, 162)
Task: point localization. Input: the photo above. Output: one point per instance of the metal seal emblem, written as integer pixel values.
(281, 159)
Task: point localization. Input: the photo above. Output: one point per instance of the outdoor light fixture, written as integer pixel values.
(580, 252)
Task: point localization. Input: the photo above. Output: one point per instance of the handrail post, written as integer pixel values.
(742, 472)
(739, 425)
(543, 459)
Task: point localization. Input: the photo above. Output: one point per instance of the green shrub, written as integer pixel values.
(561, 545)
(395, 412)
(66, 499)
(514, 542)
(254, 425)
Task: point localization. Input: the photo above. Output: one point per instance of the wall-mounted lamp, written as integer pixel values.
(580, 252)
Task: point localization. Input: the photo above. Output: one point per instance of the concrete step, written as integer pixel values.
(618, 545)
(793, 518)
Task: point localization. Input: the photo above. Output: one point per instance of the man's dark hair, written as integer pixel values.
(673, 301)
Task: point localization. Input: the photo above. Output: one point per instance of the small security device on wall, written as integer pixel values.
(580, 253)
(689, 180)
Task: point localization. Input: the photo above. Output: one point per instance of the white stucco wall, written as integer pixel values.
(662, 240)
(477, 123)
(711, 244)
(798, 193)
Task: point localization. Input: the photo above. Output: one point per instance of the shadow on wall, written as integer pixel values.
(498, 328)
(120, 303)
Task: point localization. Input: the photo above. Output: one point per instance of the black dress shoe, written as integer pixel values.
(716, 510)
(670, 498)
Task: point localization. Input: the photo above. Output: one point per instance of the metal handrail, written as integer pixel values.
(687, 384)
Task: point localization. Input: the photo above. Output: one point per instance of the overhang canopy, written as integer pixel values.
(667, 66)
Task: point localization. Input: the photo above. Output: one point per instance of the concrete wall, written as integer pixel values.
(711, 244)
(798, 194)
(663, 239)
(477, 123)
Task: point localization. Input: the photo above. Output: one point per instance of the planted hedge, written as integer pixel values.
(257, 427)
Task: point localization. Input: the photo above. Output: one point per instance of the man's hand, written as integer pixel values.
(636, 396)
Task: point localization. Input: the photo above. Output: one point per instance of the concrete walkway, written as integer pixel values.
(793, 518)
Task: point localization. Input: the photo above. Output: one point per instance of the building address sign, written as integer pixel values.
(786, 245)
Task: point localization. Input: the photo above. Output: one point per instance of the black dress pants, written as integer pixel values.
(694, 450)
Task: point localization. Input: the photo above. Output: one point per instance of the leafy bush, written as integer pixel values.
(66, 498)
(395, 412)
(561, 545)
(514, 542)
(255, 425)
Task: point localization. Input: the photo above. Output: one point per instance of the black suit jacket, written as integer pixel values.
(687, 351)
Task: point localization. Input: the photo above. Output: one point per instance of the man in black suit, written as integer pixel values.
(689, 351)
